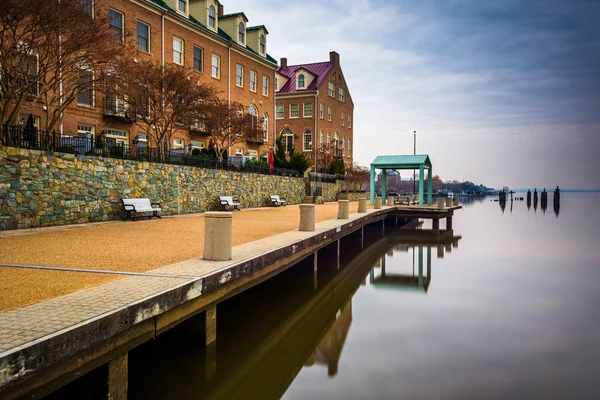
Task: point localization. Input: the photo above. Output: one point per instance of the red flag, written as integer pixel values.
(271, 160)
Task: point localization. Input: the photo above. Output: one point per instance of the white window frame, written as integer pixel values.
(279, 111)
(343, 118)
(328, 142)
(138, 36)
(295, 106)
(178, 143)
(217, 67)
(321, 110)
(331, 89)
(87, 67)
(321, 140)
(307, 140)
(265, 90)
(342, 94)
(201, 59)
(329, 113)
(211, 15)
(241, 33)
(178, 55)
(185, 7)
(239, 75)
(265, 126)
(349, 121)
(239, 151)
(349, 148)
(262, 44)
(253, 76)
(310, 113)
(301, 82)
(122, 38)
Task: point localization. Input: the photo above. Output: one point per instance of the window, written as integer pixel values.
(287, 138)
(198, 56)
(301, 81)
(216, 66)
(86, 6)
(262, 44)
(85, 84)
(84, 129)
(343, 118)
(307, 112)
(343, 147)
(328, 143)
(307, 140)
(254, 113)
(321, 140)
(275, 83)
(253, 81)
(182, 6)
(264, 157)
(265, 85)
(279, 110)
(241, 32)
(178, 143)
(321, 110)
(349, 121)
(336, 143)
(329, 114)
(115, 25)
(253, 154)
(294, 110)
(143, 37)
(211, 17)
(349, 148)
(239, 75)
(265, 127)
(342, 94)
(177, 50)
(239, 151)
(331, 89)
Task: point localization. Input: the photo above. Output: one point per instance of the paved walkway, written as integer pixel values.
(19, 327)
(121, 246)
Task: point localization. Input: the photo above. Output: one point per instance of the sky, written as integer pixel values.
(501, 93)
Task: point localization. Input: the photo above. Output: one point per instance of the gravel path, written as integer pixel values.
(122, 246)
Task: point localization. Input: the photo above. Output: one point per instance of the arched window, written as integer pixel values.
(307, 140)
(262, 44)
(254, 113)
(328, 143)
(336, 143)
(301, 81)
(265, 126)
(211, 16)
(241, 32)
(287, 138)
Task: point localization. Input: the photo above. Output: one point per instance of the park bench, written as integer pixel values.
(277, 201)
(134, 206)
(410, 199)
(229, 202)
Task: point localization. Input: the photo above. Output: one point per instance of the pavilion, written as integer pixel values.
(419, 161)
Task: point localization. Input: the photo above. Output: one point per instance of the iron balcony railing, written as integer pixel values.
(118, 108)
(20, 136)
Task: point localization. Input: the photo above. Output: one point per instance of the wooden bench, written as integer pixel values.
(134, 206)
(229, 201)
(277, 201)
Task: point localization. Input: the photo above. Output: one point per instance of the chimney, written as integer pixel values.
(283, 62)
(220, 10)
(334, 57)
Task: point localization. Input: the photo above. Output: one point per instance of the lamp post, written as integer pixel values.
(414, 172)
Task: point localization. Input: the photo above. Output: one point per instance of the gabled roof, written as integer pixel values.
(402, 161)
(237, 14)
(320, 70)
(254, 28)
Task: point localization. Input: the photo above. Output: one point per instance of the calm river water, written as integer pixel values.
(508, 308)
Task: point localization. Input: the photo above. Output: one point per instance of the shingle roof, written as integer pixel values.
(320, 70)
(237, 14)
(402, 161)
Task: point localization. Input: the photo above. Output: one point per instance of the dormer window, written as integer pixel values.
(182, 6)
(211, 16)
(301, 81)
(241, 32)
(262, 44)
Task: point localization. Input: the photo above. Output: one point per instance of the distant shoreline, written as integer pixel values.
(562, 190)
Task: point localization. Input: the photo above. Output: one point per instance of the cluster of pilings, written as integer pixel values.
(543, 200)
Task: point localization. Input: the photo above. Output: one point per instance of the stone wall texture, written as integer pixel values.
(45, 189)
(353, 196)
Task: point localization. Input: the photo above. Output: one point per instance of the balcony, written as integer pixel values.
(198, 128)
(257, 140)
(118, 109)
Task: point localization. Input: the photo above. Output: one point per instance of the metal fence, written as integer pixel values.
(20, 136)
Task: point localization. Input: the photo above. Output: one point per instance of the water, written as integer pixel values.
(511, 311)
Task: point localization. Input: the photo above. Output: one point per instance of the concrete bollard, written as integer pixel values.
(217, 236)
(390, 201)
(362, 206)
(455, 201)
(344, 209)
(440, 202)
(449, 202)
(377, 204)
(307, 218)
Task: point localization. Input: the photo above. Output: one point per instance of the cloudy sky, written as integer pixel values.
(500, 92)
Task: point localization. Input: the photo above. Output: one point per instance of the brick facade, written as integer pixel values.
(316, 96)
(190, 29)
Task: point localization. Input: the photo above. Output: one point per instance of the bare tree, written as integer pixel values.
(355, 178)
(52, 51)
(166, 99)
(325, 157)
(228, 124)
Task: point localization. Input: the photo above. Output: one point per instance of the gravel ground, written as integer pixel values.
(122, 246)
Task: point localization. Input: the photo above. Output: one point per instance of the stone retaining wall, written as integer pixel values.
(43, 189)
(353, 196)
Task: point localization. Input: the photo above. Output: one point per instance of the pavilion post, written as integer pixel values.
(383, 185)
(372, 187)
(430, 186)
(421, 173)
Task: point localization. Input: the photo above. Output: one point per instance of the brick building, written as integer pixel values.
(221, 48)
(314, 109)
